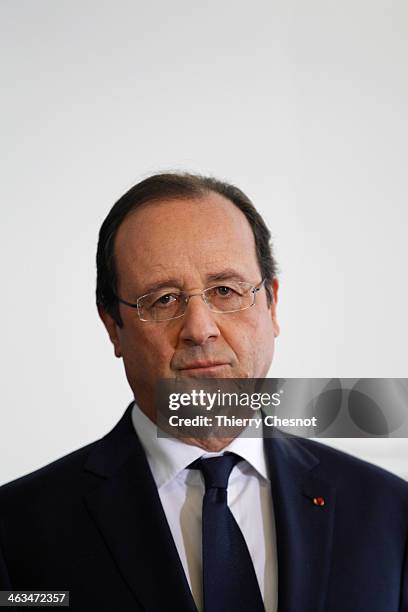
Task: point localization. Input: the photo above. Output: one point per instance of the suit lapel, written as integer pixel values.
(303, 529)
(127, 509)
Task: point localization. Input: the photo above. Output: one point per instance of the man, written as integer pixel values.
(139, 522)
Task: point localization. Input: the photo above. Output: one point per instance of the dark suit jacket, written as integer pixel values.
(92, 523)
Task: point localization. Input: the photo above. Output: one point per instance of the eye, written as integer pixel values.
(224, 291)
(165, 300)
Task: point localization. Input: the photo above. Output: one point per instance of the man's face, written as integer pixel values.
(187, 243)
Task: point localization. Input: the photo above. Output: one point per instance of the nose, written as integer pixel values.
(198, 324)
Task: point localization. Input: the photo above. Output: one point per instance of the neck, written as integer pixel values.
(212, 445)
(214, 442)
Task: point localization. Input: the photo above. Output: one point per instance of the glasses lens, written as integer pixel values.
(230, 296)
(160, 306)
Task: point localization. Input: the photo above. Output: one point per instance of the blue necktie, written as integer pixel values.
(229, 579)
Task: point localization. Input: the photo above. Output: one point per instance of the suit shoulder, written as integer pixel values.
(53, 476)
(350, 468)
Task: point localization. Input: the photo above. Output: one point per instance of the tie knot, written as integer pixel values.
(216, 470)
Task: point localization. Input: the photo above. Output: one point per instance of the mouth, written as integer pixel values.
(205, 369)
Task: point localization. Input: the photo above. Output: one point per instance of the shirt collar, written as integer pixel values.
(167, 457)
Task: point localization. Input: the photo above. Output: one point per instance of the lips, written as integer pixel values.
(200, 365)
(205, 369)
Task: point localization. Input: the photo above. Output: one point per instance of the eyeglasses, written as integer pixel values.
(164, 304)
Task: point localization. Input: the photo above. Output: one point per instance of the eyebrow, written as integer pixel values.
(168, 283)
(228, 274)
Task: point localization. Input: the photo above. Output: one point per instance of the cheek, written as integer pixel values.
(146, 351)
(265, 334)
(252, 340)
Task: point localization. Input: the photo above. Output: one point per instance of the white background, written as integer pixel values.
(301, 104)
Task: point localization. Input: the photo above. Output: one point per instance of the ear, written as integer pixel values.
(274, 290)
(112, 329)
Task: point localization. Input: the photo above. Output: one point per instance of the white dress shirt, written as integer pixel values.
(181, 491)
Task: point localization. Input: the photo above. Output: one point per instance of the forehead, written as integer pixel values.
(187, 239)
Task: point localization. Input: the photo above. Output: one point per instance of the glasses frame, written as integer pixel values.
(253, 289)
